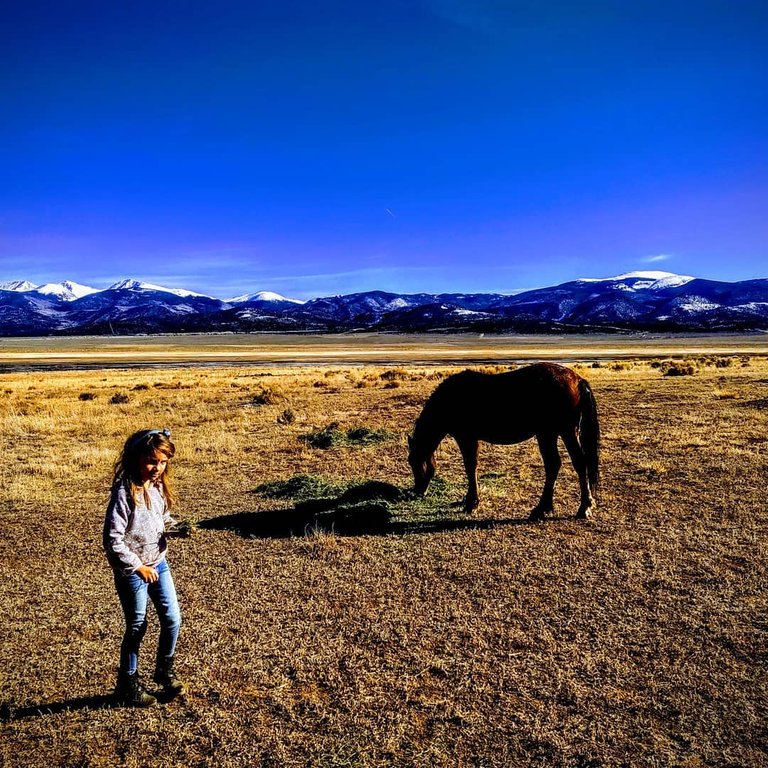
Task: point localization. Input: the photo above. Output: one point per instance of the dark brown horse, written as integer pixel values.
(545, 401)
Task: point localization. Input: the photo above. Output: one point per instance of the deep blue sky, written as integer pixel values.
(314, 148)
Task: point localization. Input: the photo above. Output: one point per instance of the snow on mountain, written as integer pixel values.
(651, 280)
(645, 300)
(67, 290)
(692, 303)
(671, 281)
(130, 284)
(265, 296)
(650, 274)
(17, 285)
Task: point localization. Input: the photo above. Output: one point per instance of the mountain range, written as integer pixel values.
(649, 301)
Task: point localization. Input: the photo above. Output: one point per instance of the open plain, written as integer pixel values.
(358, 348)
(327, 629)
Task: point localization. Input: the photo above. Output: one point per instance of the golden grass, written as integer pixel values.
(637, 639)
(369, 348)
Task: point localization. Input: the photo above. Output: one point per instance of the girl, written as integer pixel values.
(135, 544)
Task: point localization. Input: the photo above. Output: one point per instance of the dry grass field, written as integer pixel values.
(360, 348)
(356, 632)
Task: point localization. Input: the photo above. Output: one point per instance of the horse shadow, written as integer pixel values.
(362, 510)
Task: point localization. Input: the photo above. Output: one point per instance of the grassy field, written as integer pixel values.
(360, 348)
(327, 627)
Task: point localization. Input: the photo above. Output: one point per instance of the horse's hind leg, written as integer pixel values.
(551, 456)
(469, 449)
(576, 452)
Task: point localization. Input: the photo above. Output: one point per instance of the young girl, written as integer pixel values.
(135, 544)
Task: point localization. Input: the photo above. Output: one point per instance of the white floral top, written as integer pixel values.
(134, 537)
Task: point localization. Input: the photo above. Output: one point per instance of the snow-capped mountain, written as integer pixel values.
(660, 301)
(133, 306)
(17, 285)
(130, 284)
(362, 309)
(262, 297)
(639, 281)
(648, 300)
(66, 290)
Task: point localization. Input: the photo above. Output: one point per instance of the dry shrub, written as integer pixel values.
(119, 398)
(679, 368)
(395, 374)
(286, 417)
(267, 396)
(86, 396)
(178, 384)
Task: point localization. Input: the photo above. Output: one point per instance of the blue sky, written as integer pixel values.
(315, 148)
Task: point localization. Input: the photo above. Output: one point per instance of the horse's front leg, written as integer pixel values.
(469, 450)
(552, 462)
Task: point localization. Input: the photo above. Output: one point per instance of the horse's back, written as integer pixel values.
(512, 406)
(528, 381)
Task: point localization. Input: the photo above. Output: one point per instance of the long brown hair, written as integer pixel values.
(140, 444)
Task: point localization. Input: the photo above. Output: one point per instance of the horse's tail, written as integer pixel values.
(590, 433)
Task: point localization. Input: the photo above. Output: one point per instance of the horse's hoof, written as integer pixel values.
(537, 516)
(584, 514)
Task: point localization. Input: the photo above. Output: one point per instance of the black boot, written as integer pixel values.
(166, 676)
(130, 692)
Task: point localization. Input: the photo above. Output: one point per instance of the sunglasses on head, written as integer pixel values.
(147, 436)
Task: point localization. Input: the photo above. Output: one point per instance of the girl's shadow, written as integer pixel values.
(9, 713)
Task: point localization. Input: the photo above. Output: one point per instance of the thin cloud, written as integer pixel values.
(657, 258)
(483, 17)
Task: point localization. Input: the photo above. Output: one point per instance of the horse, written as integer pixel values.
(543, 400)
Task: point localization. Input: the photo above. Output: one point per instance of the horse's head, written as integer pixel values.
(423, 466)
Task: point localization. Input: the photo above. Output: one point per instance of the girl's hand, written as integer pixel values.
(147, 573)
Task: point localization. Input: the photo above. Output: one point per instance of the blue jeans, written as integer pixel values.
(133, 592)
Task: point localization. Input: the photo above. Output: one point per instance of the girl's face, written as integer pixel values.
(151, 466)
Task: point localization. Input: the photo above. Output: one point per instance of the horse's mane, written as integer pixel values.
(453, 382)
(442, 394)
